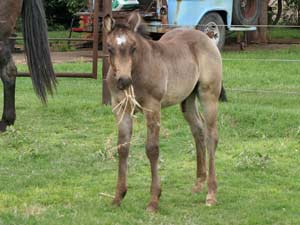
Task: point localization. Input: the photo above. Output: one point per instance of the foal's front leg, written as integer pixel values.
(124, 137)
(152, 151)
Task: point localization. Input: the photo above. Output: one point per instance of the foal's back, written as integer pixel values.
(192, 38)
(195, 59)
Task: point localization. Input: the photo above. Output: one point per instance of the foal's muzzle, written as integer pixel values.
(124, 83)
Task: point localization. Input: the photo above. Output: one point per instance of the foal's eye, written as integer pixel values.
(132, 50)
(110, 50)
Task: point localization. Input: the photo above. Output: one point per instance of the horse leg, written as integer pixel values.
(8, 76)
(189, 108)
(152, 151)
(124, 137)
(209, 100)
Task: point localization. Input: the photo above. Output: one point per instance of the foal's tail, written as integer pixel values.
(37, 48)
(223, 96)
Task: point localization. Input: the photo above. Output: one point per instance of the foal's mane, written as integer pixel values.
(142, 31)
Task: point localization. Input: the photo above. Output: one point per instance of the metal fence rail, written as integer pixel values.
(264, 91)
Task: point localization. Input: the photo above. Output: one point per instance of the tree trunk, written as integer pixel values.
(263, 20)
(260, 36)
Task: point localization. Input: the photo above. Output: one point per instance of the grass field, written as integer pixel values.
(59, 45)
(56, 160)
(284, 33)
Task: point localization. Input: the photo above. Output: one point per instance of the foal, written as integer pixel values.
(181, 66)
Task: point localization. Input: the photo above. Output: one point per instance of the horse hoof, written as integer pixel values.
(210, 200)
(3, 126)
(152, 207)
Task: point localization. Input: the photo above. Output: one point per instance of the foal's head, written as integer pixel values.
(122, 45)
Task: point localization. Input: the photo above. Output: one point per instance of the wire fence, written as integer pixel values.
(224, 25)
(264, 91)
(226, 59)
(263, 60)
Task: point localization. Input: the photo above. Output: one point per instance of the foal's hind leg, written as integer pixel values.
(8, 76)
(124, 137)
(190, 111)
(209, 100)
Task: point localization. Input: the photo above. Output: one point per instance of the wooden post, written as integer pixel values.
(107, 10)
(263, 20)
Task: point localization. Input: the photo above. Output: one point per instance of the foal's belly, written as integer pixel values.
(179, 86)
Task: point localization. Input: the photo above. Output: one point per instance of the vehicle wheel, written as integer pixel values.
(213, 25)
(245, 12)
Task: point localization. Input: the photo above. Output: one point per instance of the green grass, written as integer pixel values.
(284, 33)
(59, 34)
(78, 67)
(58, 45)
(273, 34)
(57, 159)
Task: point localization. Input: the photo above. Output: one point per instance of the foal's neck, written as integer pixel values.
(148, 49)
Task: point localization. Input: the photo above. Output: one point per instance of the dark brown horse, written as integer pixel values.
(37, 51)
(148, 75)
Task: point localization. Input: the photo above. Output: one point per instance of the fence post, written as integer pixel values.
(107, 9)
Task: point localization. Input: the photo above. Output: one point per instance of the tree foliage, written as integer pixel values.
(295, 4)
(61, 11)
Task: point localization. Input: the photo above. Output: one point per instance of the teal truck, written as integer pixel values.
(210, 16)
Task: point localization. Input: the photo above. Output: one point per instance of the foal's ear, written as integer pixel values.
(134, 21)
(109, 23)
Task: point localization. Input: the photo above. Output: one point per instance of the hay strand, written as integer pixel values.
(106, 195)
(130, 102)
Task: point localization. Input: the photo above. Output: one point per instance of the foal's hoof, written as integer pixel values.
(211, 200)
(116, 202)
(119, 197)
(198, 187)
(152, 207)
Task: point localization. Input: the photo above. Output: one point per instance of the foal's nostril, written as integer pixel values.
(123, 83)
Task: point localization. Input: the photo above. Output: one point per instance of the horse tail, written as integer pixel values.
(37, 48)
(222, 96)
